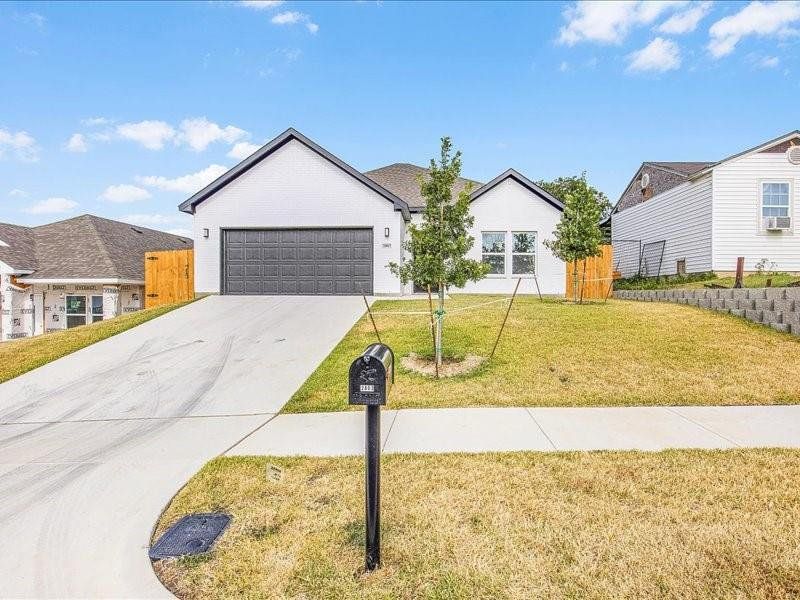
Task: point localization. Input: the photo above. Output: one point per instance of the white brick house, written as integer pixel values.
(73, 272)
(710, 213)
(295, 219)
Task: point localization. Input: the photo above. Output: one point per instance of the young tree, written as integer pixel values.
(438, 246)
(578, 235)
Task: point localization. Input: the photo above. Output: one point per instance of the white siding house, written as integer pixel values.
(294, 219)
(708, 214)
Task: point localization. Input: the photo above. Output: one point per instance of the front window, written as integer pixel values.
(775, 199)
(493, 251)
(76, 311)
(523, 256)
(97, 309)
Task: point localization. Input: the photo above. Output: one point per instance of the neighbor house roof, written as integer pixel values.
(402, 179)
(682, 171)
(84, 247)
(270, 147)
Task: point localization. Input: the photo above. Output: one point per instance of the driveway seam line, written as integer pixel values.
(544, 433)
(247, 435)
(391, 426)
(114, 420)
(682, 416)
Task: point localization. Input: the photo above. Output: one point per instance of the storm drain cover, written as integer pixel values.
(193, 534)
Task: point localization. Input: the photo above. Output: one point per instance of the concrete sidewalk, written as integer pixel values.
(543, 429)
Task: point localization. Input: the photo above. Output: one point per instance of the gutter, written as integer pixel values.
(80, 280)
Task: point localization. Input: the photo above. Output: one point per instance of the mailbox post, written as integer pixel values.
(371, 378)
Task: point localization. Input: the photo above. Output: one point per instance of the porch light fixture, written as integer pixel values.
(205, 232)
(386, 232)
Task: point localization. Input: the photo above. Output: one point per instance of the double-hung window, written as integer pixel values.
(775, 199)
(76, 311)
(97, 309)
(509, 252)
(523, 253)
(493, 251)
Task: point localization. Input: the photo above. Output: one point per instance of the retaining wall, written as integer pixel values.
(778, 308)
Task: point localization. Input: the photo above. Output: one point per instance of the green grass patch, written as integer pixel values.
(676, 524)
(699, 280)
(23, 355)
(553, 353)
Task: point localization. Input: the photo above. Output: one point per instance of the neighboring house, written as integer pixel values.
(709, 213)
(73, 272)
(295, 219)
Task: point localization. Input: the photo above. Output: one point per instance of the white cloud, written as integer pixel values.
(610, 22)
(51, 206)
(242, 150)
(96, 121)
(763, 61)
(150, 134)
(564, 66)
(293, 17)
(76, 143)
(260, 4)
(200, 132)
(685, 21)
(32, 18)
(757, 18)
(18, 193)
(21, 144)
(187, 184)
(124, 193)
(150, 220)
(659, 55)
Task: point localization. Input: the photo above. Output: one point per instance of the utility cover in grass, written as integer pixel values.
(192, 534)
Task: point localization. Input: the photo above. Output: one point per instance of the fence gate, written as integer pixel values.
(594, 276)
(168, 277)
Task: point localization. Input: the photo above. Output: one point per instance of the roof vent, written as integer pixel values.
(136, 230)
(645, 180)
(793, 155)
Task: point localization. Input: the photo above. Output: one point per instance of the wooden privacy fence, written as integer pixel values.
(168, 277)
(595, 276)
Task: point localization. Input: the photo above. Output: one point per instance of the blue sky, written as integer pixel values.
(123, 109)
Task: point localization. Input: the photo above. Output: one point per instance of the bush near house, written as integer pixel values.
(699, 280)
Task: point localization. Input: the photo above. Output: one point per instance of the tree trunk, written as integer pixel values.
(575, 280)
(433, 329)
(439, 319)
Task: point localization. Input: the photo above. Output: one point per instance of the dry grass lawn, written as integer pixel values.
(23, 355)
(556, 354)
(676, 524)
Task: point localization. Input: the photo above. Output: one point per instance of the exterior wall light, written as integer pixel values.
(205, 232)
(386, 232)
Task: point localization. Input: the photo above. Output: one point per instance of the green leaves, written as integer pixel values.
(438, 246)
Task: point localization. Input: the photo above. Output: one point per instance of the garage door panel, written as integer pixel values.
(299, 261)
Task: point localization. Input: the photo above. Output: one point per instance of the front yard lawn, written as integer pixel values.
(555, 354)
(23, 355)
(694, 281)
(675, 524)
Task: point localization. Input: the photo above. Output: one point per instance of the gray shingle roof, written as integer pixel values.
(686, 168)
(402, 179)
(85, 247)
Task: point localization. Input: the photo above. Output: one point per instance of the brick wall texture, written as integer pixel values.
(778, 308)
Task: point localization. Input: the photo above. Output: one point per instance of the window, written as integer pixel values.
(76, 311)
(493, 251)
(523, 252)
(775, 199)
(97, 309)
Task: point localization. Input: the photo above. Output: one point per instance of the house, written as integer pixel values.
(73, 272)
(687, 217)
(294, 219)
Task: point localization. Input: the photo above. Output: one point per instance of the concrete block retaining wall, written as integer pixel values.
(778, 308)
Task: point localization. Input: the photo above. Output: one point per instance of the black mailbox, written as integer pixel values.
(372, 376)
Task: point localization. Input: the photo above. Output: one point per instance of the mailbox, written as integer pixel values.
(372, 376)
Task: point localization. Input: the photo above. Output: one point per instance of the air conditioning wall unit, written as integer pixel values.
(777, 223)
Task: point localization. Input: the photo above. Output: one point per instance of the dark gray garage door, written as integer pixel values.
(297, 261)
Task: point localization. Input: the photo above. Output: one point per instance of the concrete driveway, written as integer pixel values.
(92, 446)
